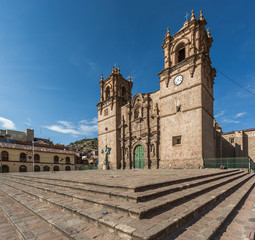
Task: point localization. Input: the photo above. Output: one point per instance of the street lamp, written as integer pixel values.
(33, 158)
(1, 162)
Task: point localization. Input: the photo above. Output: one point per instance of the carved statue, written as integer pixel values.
(106, 152)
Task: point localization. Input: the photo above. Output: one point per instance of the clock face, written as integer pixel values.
(178, 80)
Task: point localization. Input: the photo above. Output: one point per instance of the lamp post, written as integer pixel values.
(33, 158)
(1, 162)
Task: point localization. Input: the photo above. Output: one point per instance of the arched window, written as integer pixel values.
(68, 168)
(37, 158)
(4, 156)
(55, 159)
(37, 168)
(123, 92)
(180, 51)
(23, 157)
(67, 160)
(107, 93)
(46, 168)
(23, 168)
(56, 168)
(5, 169)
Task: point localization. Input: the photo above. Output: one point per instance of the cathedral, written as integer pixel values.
(173, 127)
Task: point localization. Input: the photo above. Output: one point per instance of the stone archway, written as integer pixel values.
(5, 169)
(22, 168)
(139, 157)
(37, 168)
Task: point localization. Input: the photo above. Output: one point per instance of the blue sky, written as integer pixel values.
(52, 53)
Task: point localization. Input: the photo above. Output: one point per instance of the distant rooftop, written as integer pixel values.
(245, 130)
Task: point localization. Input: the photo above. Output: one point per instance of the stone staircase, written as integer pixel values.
(52, 206)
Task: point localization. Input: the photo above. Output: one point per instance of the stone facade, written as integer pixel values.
(19, 158)
(172, 127)
(237, 144)
(19, 149)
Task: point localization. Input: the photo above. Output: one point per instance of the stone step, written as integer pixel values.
(35, 213)
(156, 226)
(175, 218)
(206, 226)
(139, 210)
(7, 228)
(161, 203)
(27, 223)
(146, 187)
(57, 177)
(122, 187)
(155, 193)
(55, 213)
(89, 190)
(129, 196)
(241, 224)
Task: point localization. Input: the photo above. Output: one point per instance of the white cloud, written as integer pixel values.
(225, 120)
(88, 129)
(84, 127)
(93, 121)
(66, 124)
(61, 129)
(219, 114)
(6, 123)
(240, 114)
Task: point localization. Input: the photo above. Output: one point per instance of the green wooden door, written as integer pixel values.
(139, 156)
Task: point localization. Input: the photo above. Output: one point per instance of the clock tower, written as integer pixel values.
(186, 96)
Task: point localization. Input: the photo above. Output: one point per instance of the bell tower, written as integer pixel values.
(115, 93)
(186, 96)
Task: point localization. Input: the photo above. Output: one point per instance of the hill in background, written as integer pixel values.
(85, 144)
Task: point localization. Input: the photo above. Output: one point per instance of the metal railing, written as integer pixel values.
(239, 163)
(88, 167)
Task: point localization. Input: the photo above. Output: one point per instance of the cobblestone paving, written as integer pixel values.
(242, 225)
(141, 204)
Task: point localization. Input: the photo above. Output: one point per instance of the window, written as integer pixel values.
(37, 168)
(56, 159)
(67, 160)
(178, 108)
(56, 168)
(22, 168)
(46, 168)
(5, 156)
(107, 93)
(177, 140)
(231, 140)
(181, 55)
(37, 158)
(123, 92)
(23, 157)
(68, 168)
